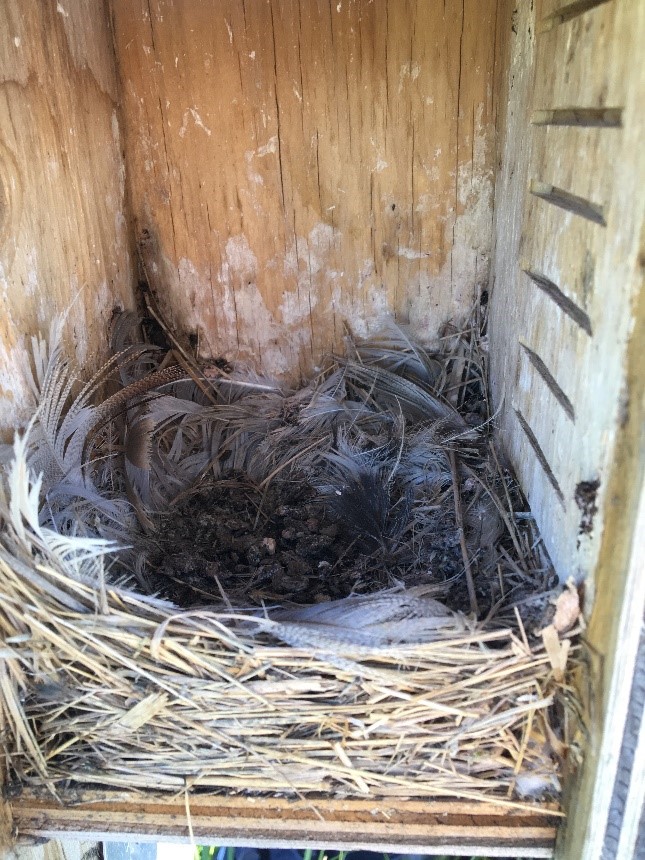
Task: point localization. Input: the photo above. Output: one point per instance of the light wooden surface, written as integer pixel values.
(569, 215)
(63, 236)
(301, 164)
(568, 339)
(266, 145)
(616, 621)
(412, 827)
(6, 825)
(56, 849)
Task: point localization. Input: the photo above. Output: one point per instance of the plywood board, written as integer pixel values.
(469, 828)
(63, 235)
(297, 165)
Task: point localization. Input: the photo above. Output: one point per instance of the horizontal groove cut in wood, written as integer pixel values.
(571, 202)
(539, 453)
(549, 381)
(568, 12)
(579, 116)
(570, 308)
(482, 828)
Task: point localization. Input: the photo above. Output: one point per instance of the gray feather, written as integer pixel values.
(374, 620)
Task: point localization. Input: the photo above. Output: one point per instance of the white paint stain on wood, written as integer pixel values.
(312, 131)
(192, 113)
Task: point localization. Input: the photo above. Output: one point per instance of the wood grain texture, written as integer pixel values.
(595, 356)
(618, 613)
(273, 822)
(6, 823)
(301, 164)
(575, 408)
(63, 235)
(266, 145)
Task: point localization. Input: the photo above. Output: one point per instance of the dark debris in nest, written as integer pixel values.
(381, 471)
(285, 545)
(228, 494)
(228, 487)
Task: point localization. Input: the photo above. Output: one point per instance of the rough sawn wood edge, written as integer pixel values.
(412, 827)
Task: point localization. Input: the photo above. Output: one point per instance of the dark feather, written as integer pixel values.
(392, 349)
(138, 443)
(393, 392)
(357, 489)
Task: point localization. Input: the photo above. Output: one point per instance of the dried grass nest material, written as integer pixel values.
(391, 694)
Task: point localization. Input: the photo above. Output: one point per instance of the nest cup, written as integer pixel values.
(421, 680)
(270, 573)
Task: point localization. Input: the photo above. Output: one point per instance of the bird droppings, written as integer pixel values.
(283, 545)
(585, 496)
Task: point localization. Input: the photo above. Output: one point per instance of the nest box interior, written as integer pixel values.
(276, 172)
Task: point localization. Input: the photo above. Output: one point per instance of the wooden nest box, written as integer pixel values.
(279, 170)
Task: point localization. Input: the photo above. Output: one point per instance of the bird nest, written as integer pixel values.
(208, 581)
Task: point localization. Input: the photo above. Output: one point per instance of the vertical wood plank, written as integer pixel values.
(63, 233)
(6, 823)
(567, 271)
(567, 340)
(302, 164)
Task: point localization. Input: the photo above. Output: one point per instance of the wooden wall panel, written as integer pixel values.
(63, 233)
(567, 346)
(570, 215)
(299, 163)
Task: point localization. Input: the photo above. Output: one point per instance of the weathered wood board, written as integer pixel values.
(63, 233)
(298, 165)
(567, 272)
(292, 166)
(411, 827)
(567, 340)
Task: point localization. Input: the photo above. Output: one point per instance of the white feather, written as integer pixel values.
(21, 502)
